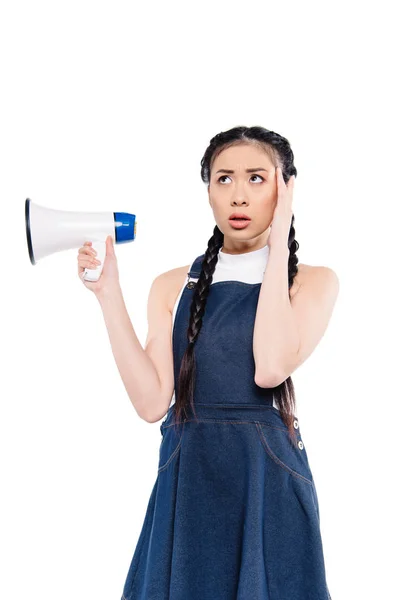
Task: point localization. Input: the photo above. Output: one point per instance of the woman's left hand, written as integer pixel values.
(282, 217)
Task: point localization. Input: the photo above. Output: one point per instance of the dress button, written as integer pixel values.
(295, 424)
(191, 285)
(300, 444)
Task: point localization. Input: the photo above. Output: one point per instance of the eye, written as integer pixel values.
(258, 176)
(222, 176)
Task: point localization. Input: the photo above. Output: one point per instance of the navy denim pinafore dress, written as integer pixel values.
(233, 514)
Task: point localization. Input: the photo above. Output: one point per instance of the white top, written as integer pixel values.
(248, 267)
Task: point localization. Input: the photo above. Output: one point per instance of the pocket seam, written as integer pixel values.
(276, 459)
(165, 465)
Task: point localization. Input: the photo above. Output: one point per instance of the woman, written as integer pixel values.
(233, 513)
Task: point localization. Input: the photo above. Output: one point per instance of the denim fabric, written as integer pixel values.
(233, 513)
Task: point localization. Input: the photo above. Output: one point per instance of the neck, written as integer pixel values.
(234, 252)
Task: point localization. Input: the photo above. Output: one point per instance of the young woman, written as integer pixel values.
(233, 514)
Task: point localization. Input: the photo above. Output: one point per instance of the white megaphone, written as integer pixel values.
(49, 230)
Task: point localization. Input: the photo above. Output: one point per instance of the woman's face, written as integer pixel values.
(252, 193)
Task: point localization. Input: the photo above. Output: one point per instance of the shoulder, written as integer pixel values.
(170, 283)
(317, 276)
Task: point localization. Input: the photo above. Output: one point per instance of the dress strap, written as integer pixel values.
(194, 272)
(195, 268)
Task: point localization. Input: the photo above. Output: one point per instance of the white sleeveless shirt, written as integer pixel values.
(248, 267)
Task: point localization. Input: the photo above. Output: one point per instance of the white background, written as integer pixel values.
(110, 107)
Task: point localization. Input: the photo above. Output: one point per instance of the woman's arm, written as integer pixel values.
(287, 331)
(148, 395)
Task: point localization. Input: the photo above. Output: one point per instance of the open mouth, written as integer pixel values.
(239, 221)
(239, 218)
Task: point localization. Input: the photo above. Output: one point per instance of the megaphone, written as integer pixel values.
(49, 230)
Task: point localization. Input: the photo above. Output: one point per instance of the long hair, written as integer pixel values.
(280, 153)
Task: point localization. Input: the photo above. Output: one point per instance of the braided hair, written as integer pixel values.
(280, 153)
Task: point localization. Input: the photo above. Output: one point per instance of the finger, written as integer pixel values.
(110, 245)
(88, 263)
(278, 178)
(281, 181)
(87, 250)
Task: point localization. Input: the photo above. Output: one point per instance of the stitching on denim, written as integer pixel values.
(314, 499)
(255, 406)
(234, 405)
(227, 281)
(230, 281)
(277, 460)
(229, 421)
(164, 466)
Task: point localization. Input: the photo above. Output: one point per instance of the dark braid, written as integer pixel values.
(280, 153)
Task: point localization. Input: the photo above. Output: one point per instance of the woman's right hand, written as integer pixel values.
(109, 277)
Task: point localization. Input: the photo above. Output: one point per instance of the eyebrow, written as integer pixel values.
(247, 170)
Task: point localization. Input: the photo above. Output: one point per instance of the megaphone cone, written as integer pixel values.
(49, 230)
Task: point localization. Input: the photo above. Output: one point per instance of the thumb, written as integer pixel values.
(110, 246)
